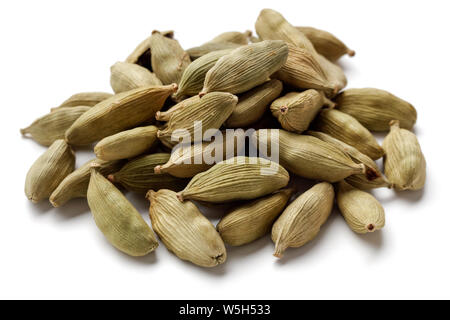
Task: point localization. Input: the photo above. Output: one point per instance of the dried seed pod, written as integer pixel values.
(335, 75)
(372, 179)
(126, 144)
(360, 209)
(49, 170)
(184, 230)
(84, 99)
(120, 112)
(246, 67)
(186, 161)
(303, 71)
(187, 103)
(138, 175)
(53, 125)
(301, 220)
(212, 110)
(326, 43)
(191, 82)
(121, 224)
(206, 48)
(238, 178)
(75, 185)
(169, 60)
(233, 37)
(307, 156)
(404, 162)
(251, 221)
(253, 104)
(347, 129)
(128, 76)
(375, 108)
(295, 111)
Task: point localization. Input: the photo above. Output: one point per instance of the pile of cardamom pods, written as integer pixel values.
(286, 85)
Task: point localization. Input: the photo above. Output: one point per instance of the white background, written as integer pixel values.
(52, 49)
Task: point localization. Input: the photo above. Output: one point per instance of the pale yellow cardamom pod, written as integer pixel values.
(250, 221)
(375, 108)
(121, 224)
(307, 156)
(246, 67)
(75, 185)
(139, 175)
(169, 60)
(253, 104)
(300, 222)
(347, 129)
(54, 125)
(238, 178)
(296, 110)
(206, 48)
(404, 162)
(360, 209)
(49, 170)
(128, 76)
(126, 144)
(372, 179)
(84, 99)
(184, 230)
(233, 37)
(326, 43)
(120, 112)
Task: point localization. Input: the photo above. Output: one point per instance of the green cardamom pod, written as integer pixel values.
(206, 48)
(138, 175)
(233, 37)
(347, 129)
(121, 224)
(246, 67)
(250, 221)
(184, 230)
(126, 144)
(238, 178)
(375, 108)
(84, 99)
(128, 76)
(300, 222)
(404, 162)
(120, 112)
(54, 125)
(49, 170)
(295, 111)
(335, 75)
(362, 212)
(253, 104)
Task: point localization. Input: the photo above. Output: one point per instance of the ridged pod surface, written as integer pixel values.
(128, 76)
(84, 99)
(209, 47)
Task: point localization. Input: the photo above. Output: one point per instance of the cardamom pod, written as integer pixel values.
(121, 224)
(404, 162)
(326, 43)
(197, 52)
(186, 103)
(372, 179)
(335, 75)
(120, 112)
(169, 60)
(126, 144)
(246, 67)
(307, 156)
(375, 108)
(295, 111)
(84, 99)
(191, 82)
(138, 175)
(128, 76)
(360, 209)
(250, 221)
(184, 230)
(233, 37)
(49, 170)
(212, 110)
(75, 185)
(253, 104)
(300, 222)
(188, 160)
(347, 129)
(53, 125)
(238, 178)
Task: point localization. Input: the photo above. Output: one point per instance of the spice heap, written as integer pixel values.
(286, 85)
